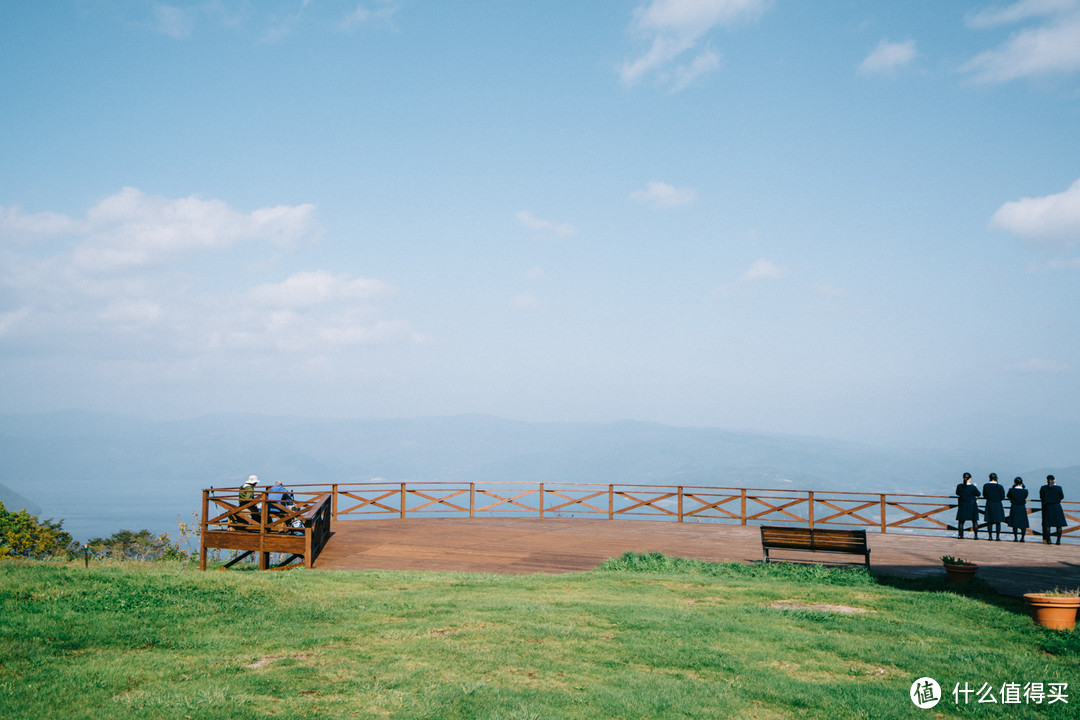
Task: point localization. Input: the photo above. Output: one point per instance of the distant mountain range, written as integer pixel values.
(102, 472)
(14, 502)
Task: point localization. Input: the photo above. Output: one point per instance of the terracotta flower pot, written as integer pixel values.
(960, 573)
(1056, 613)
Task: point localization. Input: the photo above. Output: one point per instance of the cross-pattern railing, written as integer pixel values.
(260, 525)
(880, 512)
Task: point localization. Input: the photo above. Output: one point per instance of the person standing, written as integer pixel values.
(1018, 518)
(967, 506)
(994, 511)
(1052, 514)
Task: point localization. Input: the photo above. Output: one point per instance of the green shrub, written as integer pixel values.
(23, 535)
(141, 545)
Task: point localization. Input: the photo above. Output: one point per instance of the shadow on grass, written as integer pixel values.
(1054, 642)
(976, 588)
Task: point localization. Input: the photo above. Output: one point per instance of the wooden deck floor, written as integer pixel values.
(521, 545)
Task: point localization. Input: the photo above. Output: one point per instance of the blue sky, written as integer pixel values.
(846, 219)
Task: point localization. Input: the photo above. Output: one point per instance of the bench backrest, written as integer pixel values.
(799, 538)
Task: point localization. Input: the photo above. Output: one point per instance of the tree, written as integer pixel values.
(141, 545)
(24, 535)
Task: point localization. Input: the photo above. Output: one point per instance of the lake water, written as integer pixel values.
(85, 522)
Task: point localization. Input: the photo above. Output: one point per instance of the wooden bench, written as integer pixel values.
(847, 542)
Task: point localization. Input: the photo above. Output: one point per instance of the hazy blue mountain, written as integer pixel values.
(102, 473)
(14, 502)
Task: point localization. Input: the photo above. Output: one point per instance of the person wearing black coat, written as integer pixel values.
(967, 506)
(1018, 518)
(1052, 514)
(994, 511)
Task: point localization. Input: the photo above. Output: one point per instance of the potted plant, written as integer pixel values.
(958, 570)
(1055, 609)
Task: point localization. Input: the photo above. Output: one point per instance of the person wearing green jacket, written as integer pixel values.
(247, 494)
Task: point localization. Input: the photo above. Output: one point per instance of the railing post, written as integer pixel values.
(309, 552)
(333, 501)
(742, 512)
(610, 502)
(884, 521)
(204, 526)
(264, 557)
(680, 503)
(402, 510)
(810, 503)
(472, 500)
(541, 501)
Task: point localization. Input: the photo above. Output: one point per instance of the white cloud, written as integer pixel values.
(181, 20)
(763, 270)
(1051, 47)
(545, 227)
(265, 22)
(15, 224)
(309, 313)
(296, 333)
(131, 228)
(153, 278)
(365, 13)
(675, 29)
(706, 61)
(1018, 12)
(308, 289)
(1054, 218)
(662, 196)
(381, 332)
(888, 57)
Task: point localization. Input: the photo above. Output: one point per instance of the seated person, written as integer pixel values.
(281, 502)
(280, 498)
(247, 494)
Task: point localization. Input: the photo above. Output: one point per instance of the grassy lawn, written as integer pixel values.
(647, 637)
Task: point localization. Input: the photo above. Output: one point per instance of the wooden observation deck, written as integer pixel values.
(567, 527)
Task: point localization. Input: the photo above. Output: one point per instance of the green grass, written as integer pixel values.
(646, 636)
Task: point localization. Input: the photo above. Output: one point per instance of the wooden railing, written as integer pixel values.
(880, 512)
(877, 512)
(264, 526)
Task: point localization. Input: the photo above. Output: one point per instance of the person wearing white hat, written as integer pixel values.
(247, 494)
